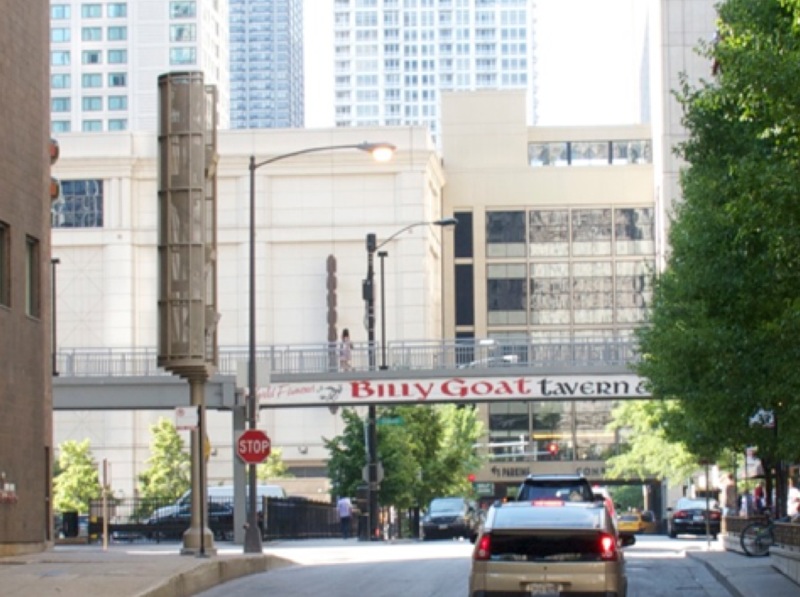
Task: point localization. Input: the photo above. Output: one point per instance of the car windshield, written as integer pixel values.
(696, 504)
(559, 490)
(629, 518)
(446, 505)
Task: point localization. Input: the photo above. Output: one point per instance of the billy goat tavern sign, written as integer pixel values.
(453, 389)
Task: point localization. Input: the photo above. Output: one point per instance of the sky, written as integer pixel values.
(589, 54)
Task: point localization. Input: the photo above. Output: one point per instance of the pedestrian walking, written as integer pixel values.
(344, 508)
(345, 351)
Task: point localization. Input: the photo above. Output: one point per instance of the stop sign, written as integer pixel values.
(253, 446)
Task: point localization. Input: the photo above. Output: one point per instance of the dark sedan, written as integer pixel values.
(694, 517)
(451, 517)
(172, 525)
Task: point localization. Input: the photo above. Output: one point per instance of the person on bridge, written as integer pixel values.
(345, 351)
(344, 508)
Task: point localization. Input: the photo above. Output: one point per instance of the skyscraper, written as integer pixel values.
(105, 59)
(266, 38)
(393, 57)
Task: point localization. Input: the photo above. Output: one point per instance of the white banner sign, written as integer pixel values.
(453, 389)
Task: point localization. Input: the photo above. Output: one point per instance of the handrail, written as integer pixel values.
(427, 355)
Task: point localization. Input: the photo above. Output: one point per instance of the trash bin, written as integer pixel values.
(69, 524)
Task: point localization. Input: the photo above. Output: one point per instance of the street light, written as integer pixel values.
(381, 152)
(368, 292)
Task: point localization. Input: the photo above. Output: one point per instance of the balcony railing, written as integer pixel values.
(425, 355)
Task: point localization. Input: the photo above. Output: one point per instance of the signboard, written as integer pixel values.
(454, 390)
(253, 446)
(187, 418)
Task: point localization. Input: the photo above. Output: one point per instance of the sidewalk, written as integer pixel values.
(744, 576)
(148, 570)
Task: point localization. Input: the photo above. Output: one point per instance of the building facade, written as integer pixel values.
(393, 58)
(309, 208)
(106, 58)
(555, 241)
(266, 53)
(25, 292)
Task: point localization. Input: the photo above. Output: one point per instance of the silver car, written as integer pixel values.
(548, 548)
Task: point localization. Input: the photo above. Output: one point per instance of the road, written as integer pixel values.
(657, 567)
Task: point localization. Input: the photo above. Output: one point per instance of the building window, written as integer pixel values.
(118, 56)
(80, 205)
(62, 81)
(117, 33)
(118, 102)
(591, 232)
(92, 104)
(117, 80)
(550, 296)
(634, 230)
(505, 234)
(592, 292)
(465, 294)
(182, 56)
(32, 277)
(91, 34)
(59, 58)
(182, 10)
(506, 294)
(91, 11)
(91, 80)
(5, 265)
(60, 34)
(60, 104)
(549, 233)
(91, 57)
(462, 235)
(183, 32)
(60, 126)
(60, 11)
(92, 126)
(118, 124)
(117, 10)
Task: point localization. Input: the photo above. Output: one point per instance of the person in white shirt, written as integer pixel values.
(344, 508)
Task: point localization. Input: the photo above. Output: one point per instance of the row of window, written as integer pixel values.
(64, 34)
(32, 271)
(114, 10)
(590, 153)
(113, 56)
(79, 206)
(90, 126)
(89, 103)
(89, 80)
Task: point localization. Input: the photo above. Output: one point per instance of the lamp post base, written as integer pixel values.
(197, 544)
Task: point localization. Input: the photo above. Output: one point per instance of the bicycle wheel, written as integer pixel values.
(756, 539)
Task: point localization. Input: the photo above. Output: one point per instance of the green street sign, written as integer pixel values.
(390, 420)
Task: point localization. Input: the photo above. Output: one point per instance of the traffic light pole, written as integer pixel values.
(372, 431)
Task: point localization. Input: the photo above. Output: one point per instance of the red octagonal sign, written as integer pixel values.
(253, 446)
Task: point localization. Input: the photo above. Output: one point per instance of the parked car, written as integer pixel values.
(694, 517)
(548, 547)
(451, 517)
(637, 522)
(173, 524)
(219, 493)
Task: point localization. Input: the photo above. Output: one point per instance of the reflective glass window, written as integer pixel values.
(591, 232)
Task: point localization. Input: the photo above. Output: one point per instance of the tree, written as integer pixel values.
(273, 467)
(725, 319)
(77, 483)
(429, 454)
(169, 472)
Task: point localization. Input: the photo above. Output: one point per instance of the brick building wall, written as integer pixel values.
(25, 323)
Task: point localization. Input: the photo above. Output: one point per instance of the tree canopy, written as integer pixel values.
(169, 472)
(427, 452)
(723, 330)
(77, 480)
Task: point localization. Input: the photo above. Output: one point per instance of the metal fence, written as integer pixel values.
(139, 519)
(402, 355)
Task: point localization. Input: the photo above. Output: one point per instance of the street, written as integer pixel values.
(657, 566)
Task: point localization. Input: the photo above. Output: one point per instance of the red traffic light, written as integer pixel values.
(471, 477)
(552, 448)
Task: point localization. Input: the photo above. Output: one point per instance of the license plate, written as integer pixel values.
(700, 518)
(442, 527)
(543, 589)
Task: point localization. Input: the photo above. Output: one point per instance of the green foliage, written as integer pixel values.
(169, 472)
(627, 497)
(430, 454)
(722, 339)
(273, 467)
(77, 482)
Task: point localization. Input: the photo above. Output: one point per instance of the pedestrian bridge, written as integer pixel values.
(397, 373)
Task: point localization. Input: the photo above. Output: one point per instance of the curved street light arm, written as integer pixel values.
(376, 149)
(443, 222)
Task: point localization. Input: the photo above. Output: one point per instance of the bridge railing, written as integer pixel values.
(427, 355)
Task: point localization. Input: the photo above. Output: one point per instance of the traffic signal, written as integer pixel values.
(552, 449)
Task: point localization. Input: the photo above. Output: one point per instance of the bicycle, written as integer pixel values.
(757, 537)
